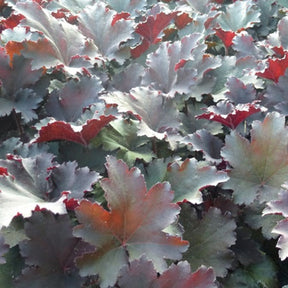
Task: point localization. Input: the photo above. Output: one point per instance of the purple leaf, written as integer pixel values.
(67, 104)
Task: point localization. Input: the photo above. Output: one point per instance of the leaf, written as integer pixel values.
(182, 277)
(277, 207)
(26, 187)
(276, 68)
(141, 273)
(262, 274)
(132, 226)
(131, 6)
(239, 15)
(245, 46)
(96, 21)
(258, 167)
(67, 177)
(19, 95)
(129, 78)
(158, 114)
(122, 136)
(60, 42)
(240, 93)
(226, 36)
(67, 104)
(228, 114)
(4, 248)
(190, 177)
(176, 67)
(209, 238)
(275, 96)
(49, 254)
(150, 30)
(209, 144)
(83, 134)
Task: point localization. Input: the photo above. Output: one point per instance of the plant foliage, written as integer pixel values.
(143, 143)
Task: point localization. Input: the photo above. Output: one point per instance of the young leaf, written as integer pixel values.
(158, 114)
(149, 30)
(258, 167)
(132, 226)
(276, 68)
(49, 254)
(83, 134)
(228, 114)
(209, 238)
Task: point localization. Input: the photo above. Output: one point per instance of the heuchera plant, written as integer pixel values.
(143, 143)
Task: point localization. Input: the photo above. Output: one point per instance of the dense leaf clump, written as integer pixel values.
(143, 143)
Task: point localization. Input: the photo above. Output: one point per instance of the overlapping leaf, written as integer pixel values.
(82, 134)
(228, 114)
(96, 21)
(26, 187)
(169, 71)
(141, 273)
(67, 104)
(18, 83)
(209, 238)
(61, 41)
(34, 182)
(130, 228)
(150, 30)
(49, 254)
(158, 114)
(122, 136)
(239, 15)
(188, 178)
(277, 207)
(259, 167)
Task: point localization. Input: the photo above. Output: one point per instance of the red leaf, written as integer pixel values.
(60, 130)
(3, 171)
(150, 30)
(11, 21)
(228, 114)
(182, 20)
(123, 15)
(225, 36)
(275, 69)
(132, 227)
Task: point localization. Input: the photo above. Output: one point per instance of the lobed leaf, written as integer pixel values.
(130, 228)
(258, 167)
(209, 238)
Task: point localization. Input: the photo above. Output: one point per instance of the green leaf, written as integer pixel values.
(209, 238)
(121, 135)
(262, 274)
(259, 167)
(190, 176)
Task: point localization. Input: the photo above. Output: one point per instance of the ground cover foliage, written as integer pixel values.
(143, 143)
